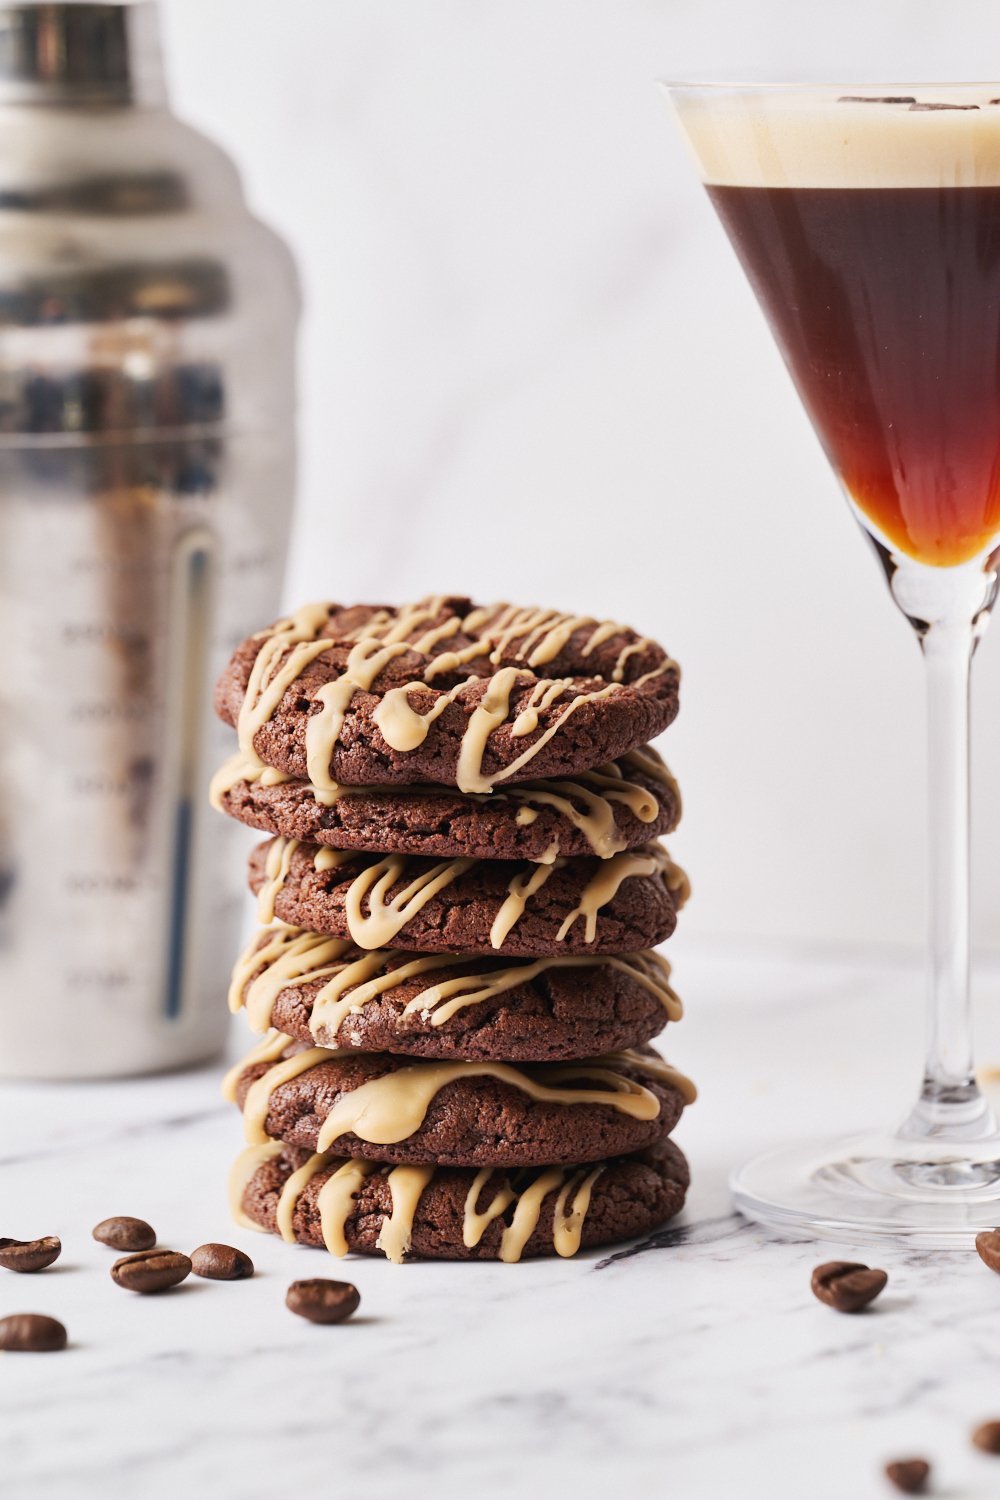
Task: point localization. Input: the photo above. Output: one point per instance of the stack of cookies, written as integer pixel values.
(454, 976)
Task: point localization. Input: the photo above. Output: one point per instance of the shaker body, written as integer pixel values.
(147, 459)
(127, 574)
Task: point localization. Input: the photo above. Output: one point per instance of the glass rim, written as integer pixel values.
(804, 86)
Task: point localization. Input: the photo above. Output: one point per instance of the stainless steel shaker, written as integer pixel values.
(147, 326)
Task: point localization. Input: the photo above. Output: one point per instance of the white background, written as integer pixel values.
(531, 369)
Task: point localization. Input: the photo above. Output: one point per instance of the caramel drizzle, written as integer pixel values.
(598, 790)
(568, 1222)
(475, 1224)
(527, 1214)
(540, 636)
(387, 918)
(604, 886)
(244, 1168)
(292, 1189)
(526, 1189)
(269, 1049)
(406, 1186)
(384, 918)
(291, 955)
(242, 767)
(400, 724)
(284, 655)
(332, 859)
(542, 696)
(257, 1103)
(392, 1107)
(529, 1193)
(276, 870)
(494, 710)
(365, 661)
(336, 1200)
(522, 887)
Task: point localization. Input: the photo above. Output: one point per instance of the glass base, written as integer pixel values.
(930, 1193)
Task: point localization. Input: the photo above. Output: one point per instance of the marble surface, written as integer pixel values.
(700, 1369)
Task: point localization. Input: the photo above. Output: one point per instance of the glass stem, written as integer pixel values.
(950, 1104)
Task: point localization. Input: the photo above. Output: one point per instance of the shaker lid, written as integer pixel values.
(78, 52)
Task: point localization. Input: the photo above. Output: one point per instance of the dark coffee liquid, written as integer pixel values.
(886, 305)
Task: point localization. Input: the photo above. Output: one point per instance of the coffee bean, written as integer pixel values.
(31, 1333)
(151, 1270)
(221, 1263)
(988, 1246)
(124, 1233)
(29, 1255)
(847, 1285)
(987, 1437)
(909, 1475)
(323, 1301)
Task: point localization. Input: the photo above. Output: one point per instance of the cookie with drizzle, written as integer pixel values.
(385, 1108)
(443, 691)
(604, 811)
(615, 905)
(327, 992)
(454, 1213)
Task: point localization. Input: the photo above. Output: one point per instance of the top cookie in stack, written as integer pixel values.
(463, 869)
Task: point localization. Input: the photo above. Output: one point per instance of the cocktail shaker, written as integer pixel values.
(147, 326)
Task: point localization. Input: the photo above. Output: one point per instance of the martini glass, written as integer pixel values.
(867, 220)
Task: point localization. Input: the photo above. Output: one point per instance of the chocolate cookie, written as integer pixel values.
(387, 1108)
(616, 905)
(326, 992)
(604, 811)
(455, 1213)
(444, 692)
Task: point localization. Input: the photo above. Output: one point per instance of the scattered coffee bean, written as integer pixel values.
(847, 1285)
(29, 1255)
(221, 1263)
(909, 1475)
(31, 1333)
(323, 1301)
(988, 1246)
(987, 1437)
(151, 1270)
(125, 1234)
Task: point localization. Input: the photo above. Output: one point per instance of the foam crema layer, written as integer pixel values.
(844, 137)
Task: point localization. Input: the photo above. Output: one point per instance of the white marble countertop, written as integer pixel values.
(704, 1368)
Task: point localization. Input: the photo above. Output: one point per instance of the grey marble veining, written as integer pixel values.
(700, 1368)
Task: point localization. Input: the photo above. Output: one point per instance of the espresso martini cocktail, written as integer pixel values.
(867, 220)
(879, 269)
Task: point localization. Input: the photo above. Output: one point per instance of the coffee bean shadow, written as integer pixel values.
(890, 1302)
(182, 1289)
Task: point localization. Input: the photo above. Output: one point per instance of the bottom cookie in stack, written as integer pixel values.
(455, 1213)
(456, 1160)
